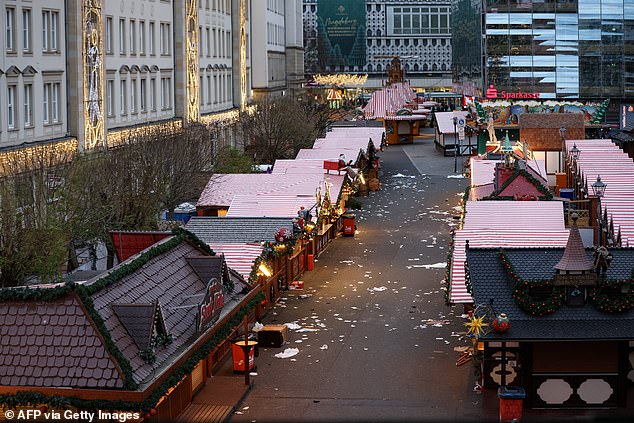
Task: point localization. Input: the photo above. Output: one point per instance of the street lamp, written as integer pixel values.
(455, 139)
(598, 189)
(562, 132)
(574, 152)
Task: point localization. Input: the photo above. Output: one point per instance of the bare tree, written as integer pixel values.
(279, 128)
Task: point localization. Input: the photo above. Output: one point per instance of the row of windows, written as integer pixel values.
(20, 104)
(419, 20)
(137, 42)
(141, 97)
(21, 38)
(275, 34)
(214, 89)
(276, 6)
(222, 6)
(214, 42)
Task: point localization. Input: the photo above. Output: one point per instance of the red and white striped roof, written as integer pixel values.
(221, 189)
(495, 239)
(602, 157)
(327, 153)
(483, 174)
(504, 224)
(299, 166)
(334, 143)
(388, 100)
(265, 205)
(239, 257)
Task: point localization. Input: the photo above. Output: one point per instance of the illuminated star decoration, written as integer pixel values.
(475, 326)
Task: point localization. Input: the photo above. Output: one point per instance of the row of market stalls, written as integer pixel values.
(397, 106)
(272, 226)
(550, 315)
(145, 336)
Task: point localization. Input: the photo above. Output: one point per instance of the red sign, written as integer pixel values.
(211, 306)
(492, 93)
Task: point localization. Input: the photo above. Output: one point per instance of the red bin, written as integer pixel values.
(237, 353)
(310, 261)
(348, 224)
(511, 399)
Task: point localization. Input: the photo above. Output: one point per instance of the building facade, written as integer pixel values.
(581, 49)
(358, 36)
(95, 70)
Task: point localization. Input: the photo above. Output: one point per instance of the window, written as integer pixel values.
(165, 38)
(46, 99)
(121, 36)
(11, 114)
(208, 42)
(142, 37)
(418, 20)
(110, 97)
(51, 102)
(55, 101)
(122, 98)
(166, 93)
(209, 89)
(201, 97)
(49, 30)
(200, 41)
(132, 36)
(142, 95)
(151, 37)
(26, 30)
(108, 35)
(10, 26)
(28, 101)
(133, 96)
(153, 94)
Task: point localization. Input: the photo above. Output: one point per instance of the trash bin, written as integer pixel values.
(511, 399)
(310, 261)
(237, 354)
(348, 224)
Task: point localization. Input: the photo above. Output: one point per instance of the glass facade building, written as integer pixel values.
(575, 49)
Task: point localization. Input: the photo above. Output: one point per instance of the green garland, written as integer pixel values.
(32, 398)
(521, 292)
(607, 304)
(546, 194)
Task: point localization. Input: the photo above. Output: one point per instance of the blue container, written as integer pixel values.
(511, 392)
(568, 193)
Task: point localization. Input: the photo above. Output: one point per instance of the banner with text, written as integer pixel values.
(341, 32)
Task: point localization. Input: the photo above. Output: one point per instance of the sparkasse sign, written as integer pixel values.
(492, 93)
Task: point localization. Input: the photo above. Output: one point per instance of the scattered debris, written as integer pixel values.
(287, 353)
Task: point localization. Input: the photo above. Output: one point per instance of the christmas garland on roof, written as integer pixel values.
(546, 194)
(32, 398)
(521, 291)
(600, 299)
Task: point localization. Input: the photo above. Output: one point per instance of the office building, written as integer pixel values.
(357, 36)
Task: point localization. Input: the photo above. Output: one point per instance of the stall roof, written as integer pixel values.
(341, 141)
(491, 281)
(239, 257)
(329, 154)
(299, 166)
(504, 223)
(602, 157)
(263, 205)
(444, 121)
(234, 230)
(221, 189)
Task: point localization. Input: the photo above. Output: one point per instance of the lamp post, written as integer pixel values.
(598, 188)
(562, 132)
(455, 147)
(574, 155)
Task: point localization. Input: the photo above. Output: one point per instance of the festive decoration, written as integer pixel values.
(501, 323)
(341, 79)
(475, 326)
(546, 194)
(599, 115)
(34, 398)
(522, 296)
(615, 303)
(283, 235)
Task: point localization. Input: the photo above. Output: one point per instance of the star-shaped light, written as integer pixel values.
(475, 326)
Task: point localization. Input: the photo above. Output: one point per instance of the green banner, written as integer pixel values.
(341, 32)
